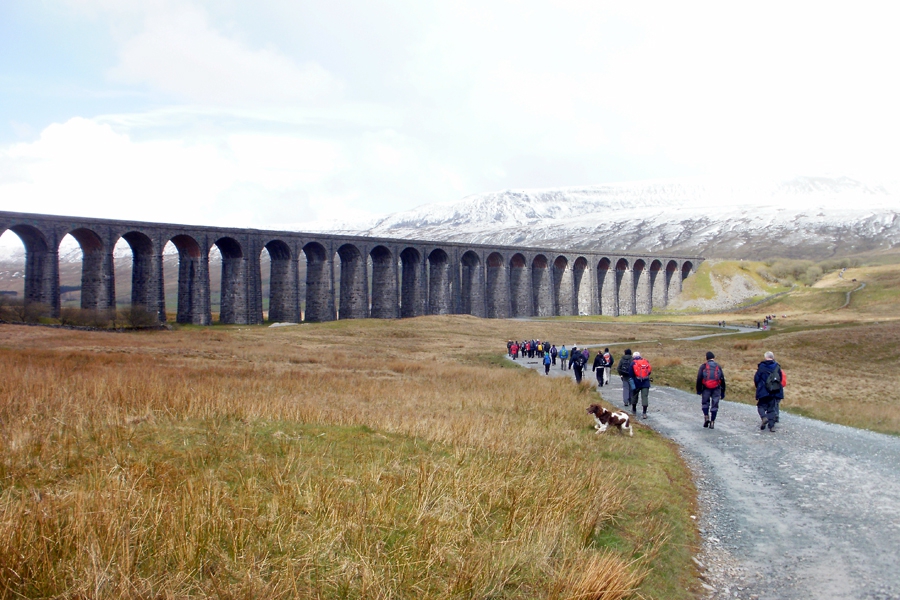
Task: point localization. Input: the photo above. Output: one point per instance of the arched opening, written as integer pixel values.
(354, 288)
(657, 286)
(541, 286)
(192, 300)
(607, 292)
(12, 277)
(471, 285)
(520, 294)
(281, 294)
(563, 288)
(384, 283)
(641, 287)
(686, 269)
(319, 298)
(412, 296)
(624, 288)
(440, 285)
(497, 287)
(582, 293)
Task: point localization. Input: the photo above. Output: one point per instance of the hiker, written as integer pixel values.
(711, 388)
(587, 357)
(553, 353)
(563, 357)
(597, 368)
(572, 354)
(579, 362)
(514, 350)
(624, 371)
(547, 363)
(607, 365)
(769, 391)
(640, 370)
(509, 347)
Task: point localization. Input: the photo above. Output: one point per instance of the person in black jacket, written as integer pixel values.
(624, 371)
(769, 391)
(597, 368)
(711, 388)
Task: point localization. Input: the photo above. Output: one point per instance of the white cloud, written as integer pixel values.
(179, 53)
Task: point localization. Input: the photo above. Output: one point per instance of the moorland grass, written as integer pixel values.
(363, 459)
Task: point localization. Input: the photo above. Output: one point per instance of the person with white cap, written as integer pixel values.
(769, 380)
(640, 373)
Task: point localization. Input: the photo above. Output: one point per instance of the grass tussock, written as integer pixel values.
(300, 463)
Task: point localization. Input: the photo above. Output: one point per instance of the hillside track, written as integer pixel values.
(809, 511)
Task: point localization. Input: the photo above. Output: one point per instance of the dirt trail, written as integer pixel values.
(809, 511)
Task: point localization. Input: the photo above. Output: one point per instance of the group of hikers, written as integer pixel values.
(634, 371)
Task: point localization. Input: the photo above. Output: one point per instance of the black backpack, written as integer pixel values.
(773, 382)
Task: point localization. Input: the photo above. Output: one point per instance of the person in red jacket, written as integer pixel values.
(640, 373)
(514, 349)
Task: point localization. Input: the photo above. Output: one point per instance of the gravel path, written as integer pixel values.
(809, 511)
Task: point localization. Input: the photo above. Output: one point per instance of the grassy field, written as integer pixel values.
(354, 459)
(386, 459)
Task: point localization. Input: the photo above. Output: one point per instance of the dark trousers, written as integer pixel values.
(768, 409)
(710, 402)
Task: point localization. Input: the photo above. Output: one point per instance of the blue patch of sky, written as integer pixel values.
(53, 65)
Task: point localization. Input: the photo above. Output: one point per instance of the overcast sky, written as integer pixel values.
(282, 112)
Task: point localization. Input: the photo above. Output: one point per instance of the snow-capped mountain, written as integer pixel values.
(805, 217)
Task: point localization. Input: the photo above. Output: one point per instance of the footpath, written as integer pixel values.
(809, 511)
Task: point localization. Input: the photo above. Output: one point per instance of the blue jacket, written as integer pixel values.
(762, 373)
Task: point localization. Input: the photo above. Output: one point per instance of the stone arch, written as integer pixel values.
(624, 287)
(686, 269)
(412, 296)
(97, 274)
(563, 302)
(319, 286)
(607, 293)
(193, 282)
(41, 284)
(497, 287)
(354, 301)
(642, 290)
(471, 284)
(658, 297)
(146, 286)
(284, 305)
(233, 292)
(673, 282)
(440, 286)
(519, 293)
(581, 289)
(384, 283)
(542, 286)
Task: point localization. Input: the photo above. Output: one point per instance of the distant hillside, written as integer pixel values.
(805, 217)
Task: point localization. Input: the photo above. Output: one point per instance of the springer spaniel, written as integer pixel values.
(605, 418)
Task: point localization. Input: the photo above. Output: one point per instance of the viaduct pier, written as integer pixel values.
(346, 277)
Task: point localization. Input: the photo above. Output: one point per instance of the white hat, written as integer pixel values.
(637, 354)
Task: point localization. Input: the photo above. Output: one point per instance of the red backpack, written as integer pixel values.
(641, 368)
(711, 376)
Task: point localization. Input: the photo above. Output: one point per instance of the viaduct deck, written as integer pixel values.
(345, 276)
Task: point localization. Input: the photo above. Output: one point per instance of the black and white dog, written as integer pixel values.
(605, 418)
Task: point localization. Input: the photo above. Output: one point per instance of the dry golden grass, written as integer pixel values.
(353, 459)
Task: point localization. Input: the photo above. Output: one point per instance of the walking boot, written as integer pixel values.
(706, 422)
(712, 424)
(765, 422)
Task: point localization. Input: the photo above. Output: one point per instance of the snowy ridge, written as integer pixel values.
(812, 217)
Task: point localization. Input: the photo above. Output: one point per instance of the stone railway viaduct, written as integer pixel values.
(347, 277)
